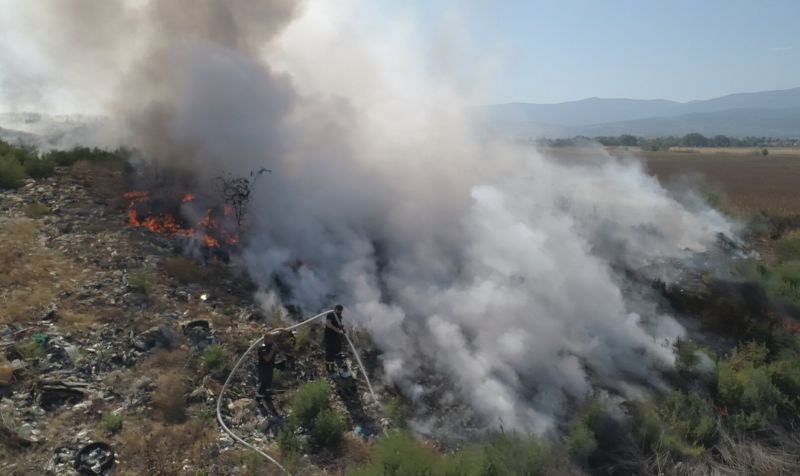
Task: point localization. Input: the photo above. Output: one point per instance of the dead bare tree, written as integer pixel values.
(236, 192)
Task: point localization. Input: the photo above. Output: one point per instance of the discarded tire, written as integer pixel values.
(94, 459)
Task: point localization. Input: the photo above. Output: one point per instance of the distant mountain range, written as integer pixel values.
(767, 113)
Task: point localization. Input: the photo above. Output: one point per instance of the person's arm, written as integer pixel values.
(271, 355)
(330, 325)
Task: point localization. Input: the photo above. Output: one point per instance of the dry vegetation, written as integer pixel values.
(33, 275)
(747, 182)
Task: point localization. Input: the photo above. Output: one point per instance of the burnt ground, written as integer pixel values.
(100, 319)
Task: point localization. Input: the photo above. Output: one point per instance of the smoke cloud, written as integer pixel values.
(496, 268)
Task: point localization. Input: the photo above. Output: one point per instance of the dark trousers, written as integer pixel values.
(264, 383)
(333, 347)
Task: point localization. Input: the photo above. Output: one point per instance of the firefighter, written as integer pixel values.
(266, 367)
(334, 334)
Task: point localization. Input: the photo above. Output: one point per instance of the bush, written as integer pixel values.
(685, 355)
(291, 448)
(12, 174)
(581, 438)
(580, 442)
(745, 387)
(253, 462)
(308, 401)
(397, 411)
(38, 168)
(35, 210)
(186, 271)
(170, 397)
(112, 422)
(115, 159)
(142, 281)
(328, 428)
(399, 454)
(785, 374)
(213, 357)
(30, 349)
(302, 337)
(679, 424)
(788, 246)
(785, 281)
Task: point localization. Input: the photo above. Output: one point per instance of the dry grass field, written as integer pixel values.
(745, 180)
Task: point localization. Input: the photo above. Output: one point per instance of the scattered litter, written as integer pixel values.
(94, 459)
(59, 461)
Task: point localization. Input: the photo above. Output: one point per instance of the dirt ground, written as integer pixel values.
(745, 182)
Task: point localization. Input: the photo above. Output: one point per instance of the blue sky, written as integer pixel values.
(539, 50)
(552, 51)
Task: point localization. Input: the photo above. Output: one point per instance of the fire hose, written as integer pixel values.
(239, 363)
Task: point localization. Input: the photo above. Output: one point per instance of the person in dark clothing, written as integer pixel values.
(266, 367)
(334, 334)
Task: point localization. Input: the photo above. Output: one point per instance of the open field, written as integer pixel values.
(743, 179)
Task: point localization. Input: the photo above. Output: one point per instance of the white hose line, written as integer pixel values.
(363, 371)
(219, 408)
(239, 364)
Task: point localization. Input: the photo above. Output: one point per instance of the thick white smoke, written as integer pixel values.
(497, 268)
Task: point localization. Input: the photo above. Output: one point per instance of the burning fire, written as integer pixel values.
(206, 229)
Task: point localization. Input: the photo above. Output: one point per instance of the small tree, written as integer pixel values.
(236, 192)
(764, 152)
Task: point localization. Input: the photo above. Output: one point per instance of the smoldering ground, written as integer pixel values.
(485, 262)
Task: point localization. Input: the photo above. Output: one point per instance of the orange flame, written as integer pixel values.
(167, 224)
(210, 242)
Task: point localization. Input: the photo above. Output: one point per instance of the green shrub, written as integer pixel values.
(308, 401)
(291, 448)
(785, 281)
(745, 387)
(690, 417)
(38, 168)
(30, 349)
(12, 174)
(685, 355)
(580, 442)
(112, 422)
(581, 437)
(35, 210)
(788, 247)
(328, 428)
(508, 453)
(142, 281)
(399, 454)
(785, 375)
(253, 462)
(301, 337)
(397, 411)
(116, 159)
(213, 357)
(679, 424)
